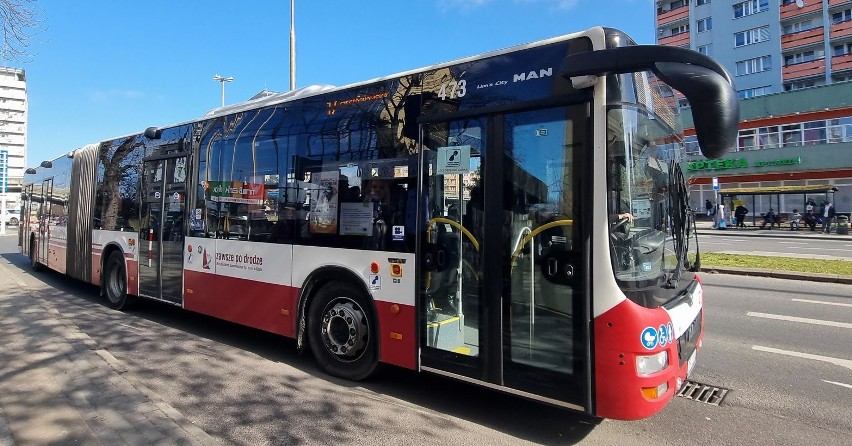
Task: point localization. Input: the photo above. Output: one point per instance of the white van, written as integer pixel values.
(11, 217)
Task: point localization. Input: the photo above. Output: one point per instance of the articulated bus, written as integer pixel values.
(518, 219)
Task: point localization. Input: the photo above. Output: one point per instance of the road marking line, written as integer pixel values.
(839, 384)
(821, 302)
(800, 319)
(836, 361)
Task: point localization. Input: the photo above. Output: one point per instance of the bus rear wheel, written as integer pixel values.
(115, 282)
(342, 332)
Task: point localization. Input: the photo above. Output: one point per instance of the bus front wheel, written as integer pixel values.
(342, 332)
(115, 281)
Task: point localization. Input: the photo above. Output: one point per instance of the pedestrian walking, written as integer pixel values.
(740, 213)
(827, 218)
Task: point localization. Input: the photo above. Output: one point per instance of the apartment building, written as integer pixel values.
(769, 46)
(791, 61)
(13, 129)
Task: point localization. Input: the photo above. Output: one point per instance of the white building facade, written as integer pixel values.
(13, 129)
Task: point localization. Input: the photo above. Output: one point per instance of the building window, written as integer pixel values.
(841, 16)
(792, 86)
(768, 137)
(705, 49)
(702, 2)
(690, 143)
(750, 7)
(791, 135)
(755, 65)
(840, 50)
(750, 36)
(705, 24)
(839, 130)
(804, 56)
(678, 30)
(753, 92)
(746, 140)
(795, 27)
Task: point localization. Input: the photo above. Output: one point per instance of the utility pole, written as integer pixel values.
(223, 80)
(292, 45)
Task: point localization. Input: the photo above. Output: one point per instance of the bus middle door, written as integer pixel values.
(161, 240)
(44, 222)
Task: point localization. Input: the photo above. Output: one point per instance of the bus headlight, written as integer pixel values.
(650, 364)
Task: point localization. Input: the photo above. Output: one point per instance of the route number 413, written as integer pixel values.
(453, 89)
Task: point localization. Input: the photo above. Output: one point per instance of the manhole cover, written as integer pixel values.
(703, 393)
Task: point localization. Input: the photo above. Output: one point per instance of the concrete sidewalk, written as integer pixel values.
(57, 386)
(706, 227)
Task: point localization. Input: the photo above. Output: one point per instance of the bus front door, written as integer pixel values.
(504, 295)
(161, 238)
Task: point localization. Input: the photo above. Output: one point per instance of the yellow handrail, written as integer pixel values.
(456, 225)
(534, 233)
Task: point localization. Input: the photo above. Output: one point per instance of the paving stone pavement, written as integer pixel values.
(58, 387)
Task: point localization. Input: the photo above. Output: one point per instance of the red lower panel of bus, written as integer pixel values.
(266, 306)
(56, 255)
(273, 308)
(396, 334)
(618, 341)
(132, 274)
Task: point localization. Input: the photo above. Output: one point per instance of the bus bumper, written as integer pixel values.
(643, 356)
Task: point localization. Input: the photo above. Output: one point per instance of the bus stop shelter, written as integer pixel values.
(749, 194)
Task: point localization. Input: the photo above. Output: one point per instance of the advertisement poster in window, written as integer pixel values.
(324, 199)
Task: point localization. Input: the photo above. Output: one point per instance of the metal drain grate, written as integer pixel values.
(703, 393)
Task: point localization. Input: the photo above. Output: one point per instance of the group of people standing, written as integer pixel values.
(825, 215)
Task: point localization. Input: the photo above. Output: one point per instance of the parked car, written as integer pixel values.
(11, 217)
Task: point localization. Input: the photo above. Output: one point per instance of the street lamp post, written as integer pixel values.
(223, 80)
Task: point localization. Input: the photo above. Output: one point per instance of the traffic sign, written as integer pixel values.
(715, 183)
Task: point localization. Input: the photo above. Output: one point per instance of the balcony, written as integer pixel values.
(841, 63)
(681, 39)
(791, 10)
(801, 38)
(672, 15)
(804, 69)
(839, 30)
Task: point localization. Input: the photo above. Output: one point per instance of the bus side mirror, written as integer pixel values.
(153, 133)
(705, 83)
(714, 104)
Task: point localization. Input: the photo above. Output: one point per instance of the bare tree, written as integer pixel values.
(18, 19)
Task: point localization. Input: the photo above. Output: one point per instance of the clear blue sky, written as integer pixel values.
(106, 68)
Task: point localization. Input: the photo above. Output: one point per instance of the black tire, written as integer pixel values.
(115, 282)
(342, 331)
(34, 263)
(13, 221)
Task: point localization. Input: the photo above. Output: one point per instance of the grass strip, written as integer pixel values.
(837, 267)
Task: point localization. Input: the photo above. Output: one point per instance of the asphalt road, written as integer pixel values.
(786, 362)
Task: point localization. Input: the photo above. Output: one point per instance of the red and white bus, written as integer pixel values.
(460, 219)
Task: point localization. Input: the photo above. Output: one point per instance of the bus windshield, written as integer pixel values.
(651, 255)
